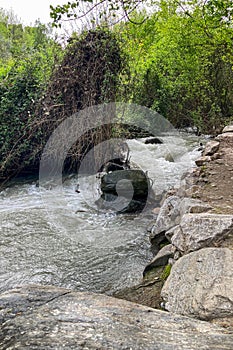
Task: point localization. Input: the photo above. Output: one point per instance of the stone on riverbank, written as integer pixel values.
(211, 147)
(228, 128)
(197, 231)
(170, 215)
(225, 136)
(161, 258)
(45, 317)
(203, 160)
(200, 285)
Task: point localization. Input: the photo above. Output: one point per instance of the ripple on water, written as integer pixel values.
(83, 250)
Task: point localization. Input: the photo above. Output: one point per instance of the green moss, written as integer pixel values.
(166, 272)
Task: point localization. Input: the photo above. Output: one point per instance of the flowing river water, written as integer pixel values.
(99, 252)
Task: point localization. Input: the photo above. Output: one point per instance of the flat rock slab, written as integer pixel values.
(200, 284)
(170, 215)
(197, 231)
(36, 317)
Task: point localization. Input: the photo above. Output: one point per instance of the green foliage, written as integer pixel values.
(180, 57)
(91, 66)
(25, 69)
(35, 98)
(181, 64)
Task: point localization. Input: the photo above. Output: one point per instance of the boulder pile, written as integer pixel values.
(193, 233)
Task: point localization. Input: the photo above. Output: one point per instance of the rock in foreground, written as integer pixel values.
(39, 317)
(200, 285)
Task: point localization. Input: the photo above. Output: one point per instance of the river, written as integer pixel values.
(78, 247)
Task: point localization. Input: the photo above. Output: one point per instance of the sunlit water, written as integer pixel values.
(75, 246)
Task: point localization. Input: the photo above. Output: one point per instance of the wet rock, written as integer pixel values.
(153, 141)
(161, 259)
(211, 147)
(125, 181)
(203, 160)
(124, 191)
(228, 128)
(169, 158)
(53, 318)
(197, 231)
(200, 284)
(114, 165)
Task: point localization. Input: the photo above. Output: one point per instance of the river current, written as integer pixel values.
(78, 247)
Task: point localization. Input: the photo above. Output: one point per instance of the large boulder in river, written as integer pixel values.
(124, 191)
(40, 317)
(200, 285)
(125, 181)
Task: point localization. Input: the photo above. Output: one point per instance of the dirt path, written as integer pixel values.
(216, 177)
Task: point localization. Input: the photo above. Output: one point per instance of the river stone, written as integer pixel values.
(153, 140)
(161, 258)
(45, 317)
(197, 231)
(124, 191)
(170, 215)
(188, 179)
(169, 158)
(128, 182)
(211, 147)
(228, 128)
(191, 205)
(203, 160)
(225, 136)
(200, 284)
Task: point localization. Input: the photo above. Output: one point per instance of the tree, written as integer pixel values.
(181, 65)
(95, 11)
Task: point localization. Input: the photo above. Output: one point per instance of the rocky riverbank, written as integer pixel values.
(190, 276)
(192, 238)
